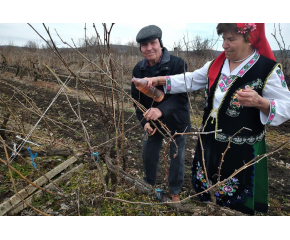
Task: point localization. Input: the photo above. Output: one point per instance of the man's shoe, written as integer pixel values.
(175, 198)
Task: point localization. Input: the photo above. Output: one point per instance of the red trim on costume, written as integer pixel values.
(215, 69)
(257, 39)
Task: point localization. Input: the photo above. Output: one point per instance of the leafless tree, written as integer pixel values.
(32, 46)
(284, 56)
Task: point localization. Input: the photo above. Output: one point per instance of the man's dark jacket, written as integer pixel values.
(174, 107)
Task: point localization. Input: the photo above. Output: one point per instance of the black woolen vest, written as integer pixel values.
(248, 117)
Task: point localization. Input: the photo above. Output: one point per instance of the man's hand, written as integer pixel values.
(148, 129)
(152, 114)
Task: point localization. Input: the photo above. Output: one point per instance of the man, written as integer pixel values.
(173, 110)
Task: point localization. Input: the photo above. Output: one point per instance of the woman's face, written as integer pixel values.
(235, 46)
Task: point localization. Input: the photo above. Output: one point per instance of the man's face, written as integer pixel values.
(151, 51)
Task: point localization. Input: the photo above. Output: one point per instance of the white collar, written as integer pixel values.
(226, 66)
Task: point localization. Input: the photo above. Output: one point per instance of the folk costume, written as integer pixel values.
(248, 190)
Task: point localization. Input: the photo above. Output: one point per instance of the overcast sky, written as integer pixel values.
(20, 33)
(130, 16)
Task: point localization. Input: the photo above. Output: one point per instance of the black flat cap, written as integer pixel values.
(149, 33)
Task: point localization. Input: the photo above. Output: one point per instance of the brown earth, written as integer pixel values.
(70, 132)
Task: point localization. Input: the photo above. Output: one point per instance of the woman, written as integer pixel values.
(245, 87)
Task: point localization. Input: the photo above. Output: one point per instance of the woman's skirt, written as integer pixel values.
(247, 191)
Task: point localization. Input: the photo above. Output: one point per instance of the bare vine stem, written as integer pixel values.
(13, 183)
(228, 146)
(17, 154)
(253, 161)
(181, 134)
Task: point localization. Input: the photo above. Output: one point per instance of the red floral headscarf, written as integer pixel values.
(255, 33)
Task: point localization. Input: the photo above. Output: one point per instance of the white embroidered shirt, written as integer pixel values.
(276, 90)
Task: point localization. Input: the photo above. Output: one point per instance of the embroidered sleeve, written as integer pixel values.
(279, 97)
(281, 76)
(168, 84)
(189, 81)
(272, 112)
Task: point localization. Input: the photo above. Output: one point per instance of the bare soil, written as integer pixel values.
(71, 133)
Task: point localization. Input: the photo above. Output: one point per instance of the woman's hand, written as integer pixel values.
(151, 81)
(250, 98)
(156, 81)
